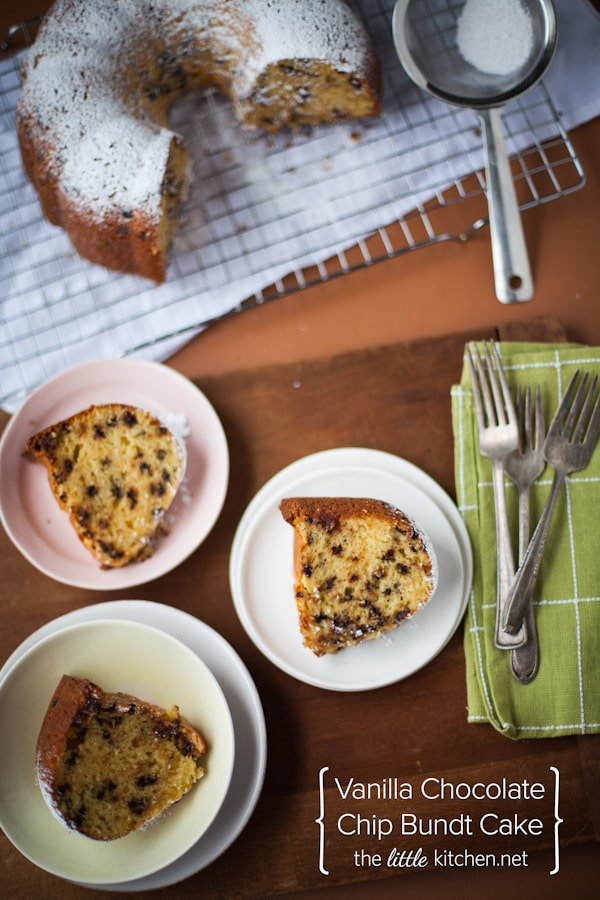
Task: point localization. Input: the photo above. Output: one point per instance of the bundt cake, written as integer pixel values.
(116, 470)
(109, 763)
(97, 84)
(361, 567)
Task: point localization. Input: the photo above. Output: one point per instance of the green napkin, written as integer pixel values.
(564, 697)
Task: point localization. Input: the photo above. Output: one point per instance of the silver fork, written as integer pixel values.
(498, 436)
(568, 447)
(523, 466)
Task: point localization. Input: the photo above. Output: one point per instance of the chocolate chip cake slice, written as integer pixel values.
(361, 567)
(109, 763)
(116, 470)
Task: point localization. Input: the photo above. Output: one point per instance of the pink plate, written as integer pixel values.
(31, 515)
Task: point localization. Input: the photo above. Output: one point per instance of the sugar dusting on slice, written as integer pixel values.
(107, 158)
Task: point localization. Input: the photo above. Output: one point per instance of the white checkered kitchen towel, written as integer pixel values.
(259, 208)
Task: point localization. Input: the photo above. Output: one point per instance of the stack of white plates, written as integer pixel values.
(161, 655)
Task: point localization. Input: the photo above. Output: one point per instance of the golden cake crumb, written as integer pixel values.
(115, 469)
(109, 763)
(361, 567)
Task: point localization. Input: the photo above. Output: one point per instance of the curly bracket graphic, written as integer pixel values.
(557, 820)
(321, 821)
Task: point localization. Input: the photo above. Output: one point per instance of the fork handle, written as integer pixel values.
(524, 583)
(524, 660)
(506, 566)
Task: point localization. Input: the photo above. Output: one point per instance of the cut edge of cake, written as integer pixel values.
(361, 566)
(81, 711)
(115, 469)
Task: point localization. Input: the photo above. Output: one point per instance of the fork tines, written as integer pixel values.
(576, 422)
(493, 407)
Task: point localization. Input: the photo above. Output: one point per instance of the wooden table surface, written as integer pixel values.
(364, 360)
(410, 731)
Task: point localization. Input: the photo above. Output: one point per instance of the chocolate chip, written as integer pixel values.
(129, 418)
(137, 805)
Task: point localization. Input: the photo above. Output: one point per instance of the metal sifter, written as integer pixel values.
(481, 54)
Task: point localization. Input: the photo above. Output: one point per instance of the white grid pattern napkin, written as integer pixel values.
(259, 209)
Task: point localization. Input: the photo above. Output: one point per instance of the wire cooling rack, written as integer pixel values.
(422, 161)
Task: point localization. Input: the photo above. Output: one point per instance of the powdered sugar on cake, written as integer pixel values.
(107, 159)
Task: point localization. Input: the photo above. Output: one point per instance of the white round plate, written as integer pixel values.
(244, 706)
(119, 656)
(29, 511)
(261, 569)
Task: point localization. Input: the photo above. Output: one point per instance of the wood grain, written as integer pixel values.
(394, 398)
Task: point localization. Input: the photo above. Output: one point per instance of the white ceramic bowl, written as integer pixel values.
(118, 656)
